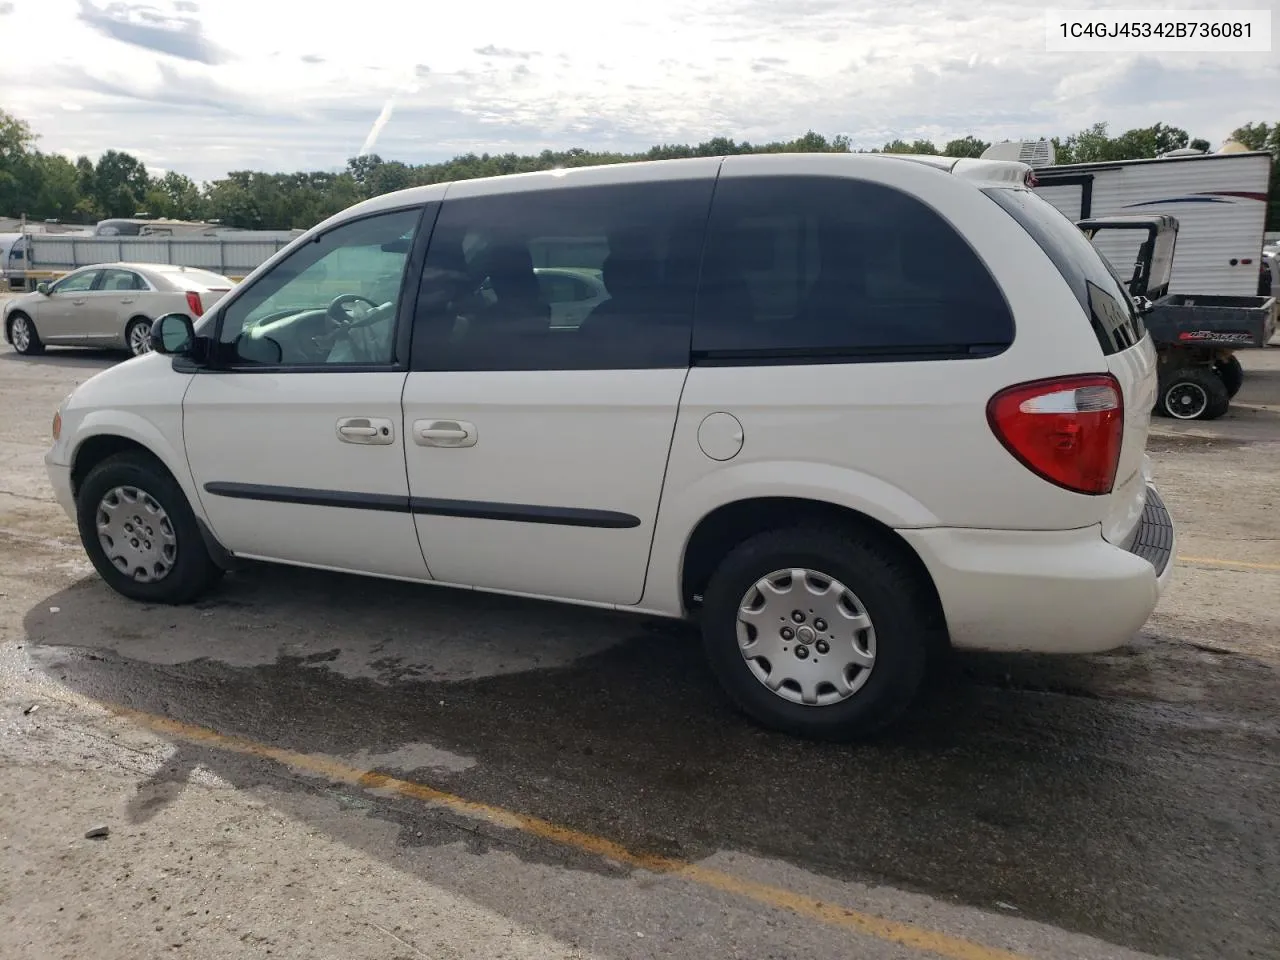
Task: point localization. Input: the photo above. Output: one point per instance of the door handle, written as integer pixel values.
(77, 303)
(444, 433)
(126, 299)
(369, 431)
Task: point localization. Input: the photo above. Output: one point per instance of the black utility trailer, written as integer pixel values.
(1195, 335)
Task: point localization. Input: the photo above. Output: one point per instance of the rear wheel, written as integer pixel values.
(818, 633)
(140, 532)
(1231, 373)
(1193, 393)
(23, 335)
(138, 336)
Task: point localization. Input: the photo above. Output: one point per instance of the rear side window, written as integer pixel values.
(1102, 294)
(830, 268)
(567, 278)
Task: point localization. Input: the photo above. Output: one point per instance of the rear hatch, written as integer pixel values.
(1129, 353)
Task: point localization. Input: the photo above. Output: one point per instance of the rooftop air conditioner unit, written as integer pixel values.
(1034, 153)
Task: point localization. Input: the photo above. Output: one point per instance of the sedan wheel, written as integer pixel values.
(139, 337)
(22, 332)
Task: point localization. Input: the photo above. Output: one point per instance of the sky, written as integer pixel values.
(208, 86)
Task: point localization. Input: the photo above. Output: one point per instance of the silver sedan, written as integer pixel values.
(109, 305)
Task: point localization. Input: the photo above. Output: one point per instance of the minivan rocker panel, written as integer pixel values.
(782, 420)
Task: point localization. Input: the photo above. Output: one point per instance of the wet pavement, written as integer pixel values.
(1132, 797)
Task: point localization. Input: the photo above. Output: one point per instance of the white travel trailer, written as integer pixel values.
(13, 260)
(1219, 200)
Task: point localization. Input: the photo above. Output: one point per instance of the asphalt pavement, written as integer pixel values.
(362, 768)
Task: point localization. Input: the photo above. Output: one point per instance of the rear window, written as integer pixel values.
(1101, 293)
(834, 268)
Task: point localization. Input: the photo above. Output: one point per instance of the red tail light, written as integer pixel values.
(193, 301)
(1067, 430)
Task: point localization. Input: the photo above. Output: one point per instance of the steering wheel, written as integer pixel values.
(339, 316)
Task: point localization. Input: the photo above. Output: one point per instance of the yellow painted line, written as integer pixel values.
(834, 915)
(1218, 562)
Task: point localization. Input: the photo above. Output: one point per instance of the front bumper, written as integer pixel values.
(60, 480)
(1065, 591)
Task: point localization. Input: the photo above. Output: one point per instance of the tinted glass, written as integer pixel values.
(826, 266)
(1101, 292)
(332, 300)
(494, 296)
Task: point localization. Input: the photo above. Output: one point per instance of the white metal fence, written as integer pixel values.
(232, 257)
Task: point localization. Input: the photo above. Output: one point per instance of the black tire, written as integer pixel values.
(901, 608)
(193, 570)
(34, 345)
(1232, 374)
(1193, 393)
(134, 324)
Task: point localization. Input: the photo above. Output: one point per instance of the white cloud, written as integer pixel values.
(235, 84)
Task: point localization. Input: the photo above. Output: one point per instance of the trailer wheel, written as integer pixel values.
(1232, 374)
(1193, 393)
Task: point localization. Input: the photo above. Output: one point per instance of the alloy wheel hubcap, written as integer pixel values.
(1186, 401)
(136, 534)
(806, 636)
(21, 334)
(140, 339)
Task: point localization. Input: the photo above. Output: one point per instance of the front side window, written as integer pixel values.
(569, 278)
(76, 282)
(826, 267)
(334, 300)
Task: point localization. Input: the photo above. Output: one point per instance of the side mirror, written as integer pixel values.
(172, 334)
(42, 287)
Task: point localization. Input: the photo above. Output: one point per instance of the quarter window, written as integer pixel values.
(586, 278)
(333, 300)
(830, 267)
(1097, 286)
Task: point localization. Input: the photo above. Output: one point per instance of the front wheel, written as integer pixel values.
(140, 532)
(818, 634)
(138, 336)
(23, 335)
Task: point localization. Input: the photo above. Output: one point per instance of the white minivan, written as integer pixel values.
(776, 424)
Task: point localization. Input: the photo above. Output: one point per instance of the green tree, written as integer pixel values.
(175, 196)
(969, 146)
(120, 183)
(16, 145)
(55, 188)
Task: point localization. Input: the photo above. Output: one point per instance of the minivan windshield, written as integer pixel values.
(1102, 294)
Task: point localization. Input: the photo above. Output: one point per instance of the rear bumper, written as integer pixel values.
(1067, 591)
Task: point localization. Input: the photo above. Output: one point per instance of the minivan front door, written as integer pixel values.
(536, 453)
(294, 438)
